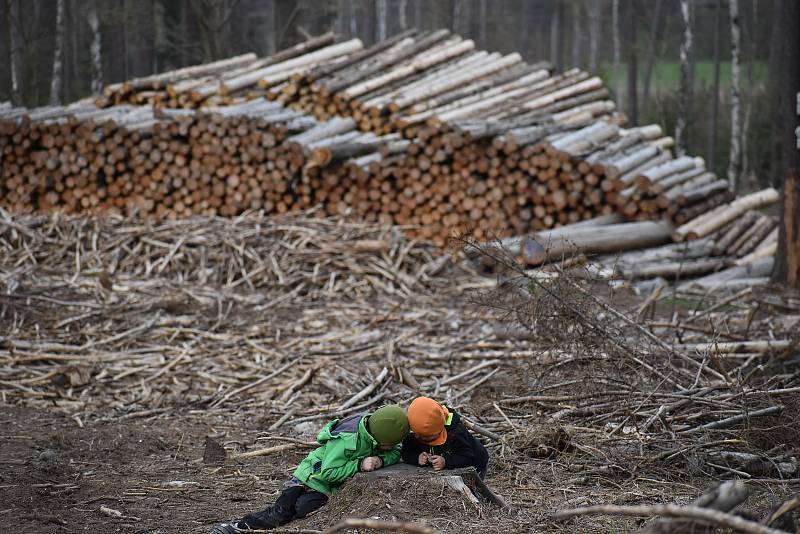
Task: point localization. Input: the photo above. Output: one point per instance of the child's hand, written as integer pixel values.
(437, 462)
(371, 463)
(423, 459)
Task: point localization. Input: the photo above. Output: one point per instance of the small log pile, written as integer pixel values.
(225, 81)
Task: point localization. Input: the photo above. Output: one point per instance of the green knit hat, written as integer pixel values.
(388, 425)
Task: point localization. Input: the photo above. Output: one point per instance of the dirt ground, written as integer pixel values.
(59, 477)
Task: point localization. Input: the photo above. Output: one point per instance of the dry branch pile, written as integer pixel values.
(300, 319)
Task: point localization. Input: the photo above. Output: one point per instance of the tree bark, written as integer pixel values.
(57, 79)
(615, 34)
(557, 37)
(95, 50)
(401, 14)
(576, 35)
(632, 62)
(482, 23)
(594, 34)
(656, 35)
(735, 162)
(712, 141)
(380, 8)
(684, 95)
(15, 49)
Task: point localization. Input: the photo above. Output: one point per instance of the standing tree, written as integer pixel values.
(594, 34)
(787, 259)
(95, 50)
(656, 35)
(735, 162)
(615, 33)
(633, 75)
(380, 8)
(577, 35)
(57, 79)
(401, 13)
(712, 140)
(14, 48)
(684, 95)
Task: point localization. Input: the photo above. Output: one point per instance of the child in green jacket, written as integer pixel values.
(356, 443)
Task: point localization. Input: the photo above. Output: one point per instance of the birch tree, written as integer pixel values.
(684, 93)
(380, 8)
(57, 79)
(15, 48)
(712, 140)
(95, 48)
(735, 161)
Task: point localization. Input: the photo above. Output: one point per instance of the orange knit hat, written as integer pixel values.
(426, 417)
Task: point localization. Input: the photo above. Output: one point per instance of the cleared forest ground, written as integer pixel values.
(129, 350)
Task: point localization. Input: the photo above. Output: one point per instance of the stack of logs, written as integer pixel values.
(422, 130)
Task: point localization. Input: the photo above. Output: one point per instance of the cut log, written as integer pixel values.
(605, 239)
(703, 226)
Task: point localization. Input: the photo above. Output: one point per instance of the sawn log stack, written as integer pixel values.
(420, 130)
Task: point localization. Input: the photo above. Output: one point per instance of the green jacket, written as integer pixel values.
(344, 443)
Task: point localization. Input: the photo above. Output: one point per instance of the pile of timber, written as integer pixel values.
(223, 82)
(422, 130)
(428, 84)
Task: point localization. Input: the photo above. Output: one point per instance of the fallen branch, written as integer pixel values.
(673, 510)
(388, 526)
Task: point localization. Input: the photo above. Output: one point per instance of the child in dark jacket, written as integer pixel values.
(356, 443)
(440, 439)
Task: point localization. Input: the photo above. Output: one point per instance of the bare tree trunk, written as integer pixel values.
(655, 39)
(95, 47)
(528, 22)
(686, 79)
(712, 142)
(576, 35)
(457, 16)
(633, 64)
(72, 74)
(124, 41)
(615, 33)
(270, 46)
(351, 11)
(734, 164)
(56, 82)
(402, 6)
(557, 37)
(380, 8)
(418, 14)
(159, 36)
(594, 34)
(482, 23)
(787, 258)
(15, 48)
